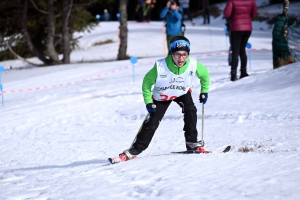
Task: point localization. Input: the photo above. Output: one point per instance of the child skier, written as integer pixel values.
(172, 78)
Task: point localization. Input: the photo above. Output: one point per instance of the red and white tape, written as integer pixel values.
(64, 84)
(111, 72)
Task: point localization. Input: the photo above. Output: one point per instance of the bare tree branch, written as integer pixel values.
(70, 9)
(85, 4)
(17, 56)
(35, 6)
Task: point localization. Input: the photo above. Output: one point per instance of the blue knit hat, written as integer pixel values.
(179, 43)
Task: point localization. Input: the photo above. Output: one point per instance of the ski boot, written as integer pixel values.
(122, 157)
(195, 146)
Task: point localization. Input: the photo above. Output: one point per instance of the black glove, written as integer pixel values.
(151, 108)
(203, 97)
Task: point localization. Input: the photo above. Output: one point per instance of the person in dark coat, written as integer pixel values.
(240, 13)
(206, 13)
(106, 15)
(149, 5)
(139, 11)
(185, 5)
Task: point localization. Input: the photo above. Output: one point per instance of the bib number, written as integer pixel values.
(167, 98)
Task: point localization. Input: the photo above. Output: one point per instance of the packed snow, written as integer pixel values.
(59, 124)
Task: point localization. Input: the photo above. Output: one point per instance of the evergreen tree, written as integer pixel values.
(42, 28)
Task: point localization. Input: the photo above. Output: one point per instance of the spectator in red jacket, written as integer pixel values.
(240, 13)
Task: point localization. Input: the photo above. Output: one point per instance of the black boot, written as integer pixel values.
(233, 76)
(244, 74)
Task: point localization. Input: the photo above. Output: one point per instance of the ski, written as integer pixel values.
(114, 160)
(202, 151)
(120, 158)
(123, 158)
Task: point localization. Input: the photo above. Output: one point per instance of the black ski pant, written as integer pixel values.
(187, 11)
(238, 42)
(150, 125)
(206, 16)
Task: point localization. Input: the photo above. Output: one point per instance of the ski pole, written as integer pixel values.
(202, 140)
(147, 116)
(139, 130)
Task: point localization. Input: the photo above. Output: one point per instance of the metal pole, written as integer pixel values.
(139, 130)
(1, 86)
(202, 121)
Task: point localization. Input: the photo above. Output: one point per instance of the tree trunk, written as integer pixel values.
(286, 4)
(66, 9)
(51, 33)
(28, 39)
(123, 30)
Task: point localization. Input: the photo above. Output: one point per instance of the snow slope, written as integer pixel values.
(60, 124)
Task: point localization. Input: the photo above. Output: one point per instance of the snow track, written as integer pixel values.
(54, 143)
